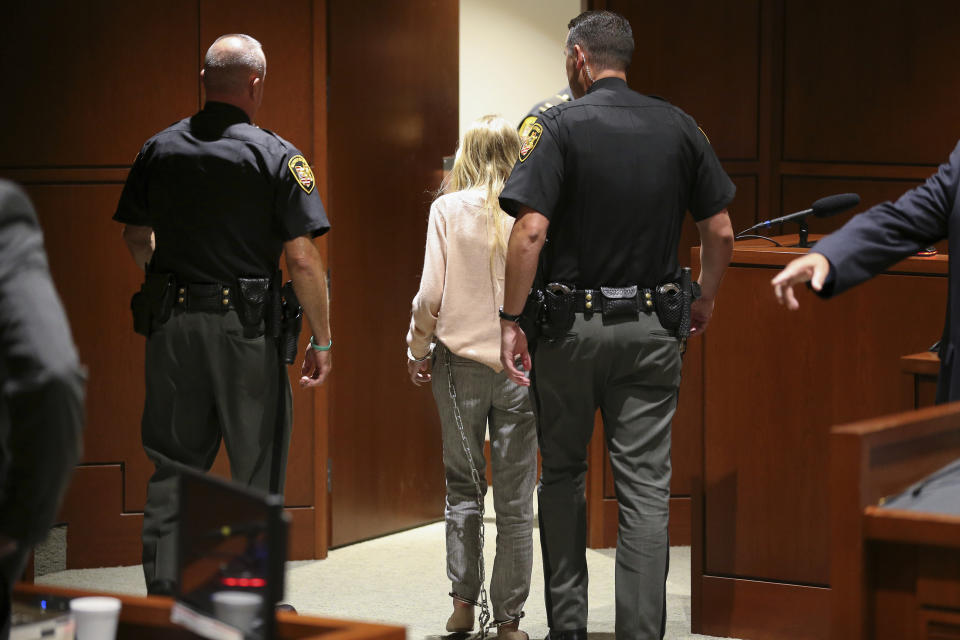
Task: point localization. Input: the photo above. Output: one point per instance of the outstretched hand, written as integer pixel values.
(812, 268)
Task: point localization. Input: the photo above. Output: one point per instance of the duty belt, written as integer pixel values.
(205, 296)
(592, 300)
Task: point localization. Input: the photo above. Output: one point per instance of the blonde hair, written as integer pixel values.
(485, 158)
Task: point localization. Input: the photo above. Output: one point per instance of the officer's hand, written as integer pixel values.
(316, 366)
(812, 268)
(513, 347)
(419, 371)
(701, 310)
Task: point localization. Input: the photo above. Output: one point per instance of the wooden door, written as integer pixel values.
(393, 108)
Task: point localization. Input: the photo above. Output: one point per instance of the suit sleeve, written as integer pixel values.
(885, 234)
(43, 382)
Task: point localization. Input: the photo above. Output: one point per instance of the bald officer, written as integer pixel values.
(208, 207)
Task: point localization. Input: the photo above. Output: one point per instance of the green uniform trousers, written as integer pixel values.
(207, 379)
(630, 369)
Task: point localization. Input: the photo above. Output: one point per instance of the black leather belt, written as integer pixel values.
(205, 296)
(592, 300)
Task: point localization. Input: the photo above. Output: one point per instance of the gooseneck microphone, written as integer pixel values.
(822, 208)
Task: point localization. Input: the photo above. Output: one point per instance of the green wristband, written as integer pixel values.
(317, 347)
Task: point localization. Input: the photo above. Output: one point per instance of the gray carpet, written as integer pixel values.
(401, 579)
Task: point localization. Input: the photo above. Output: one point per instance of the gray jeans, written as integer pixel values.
(631, 371)
(483, 396)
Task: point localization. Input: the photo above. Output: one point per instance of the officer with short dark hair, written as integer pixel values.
(606, 179)
(209, 205)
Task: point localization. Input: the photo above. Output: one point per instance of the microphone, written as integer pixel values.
(822, 208)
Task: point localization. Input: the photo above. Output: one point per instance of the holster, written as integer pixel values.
(530, 317)
(558, 314)
(291, 321)
(152, 305)
(253, 301)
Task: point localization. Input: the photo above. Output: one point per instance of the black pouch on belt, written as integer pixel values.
(558, 310)
(151, 306)
(669, 303)
(254, 294)
(620, 302)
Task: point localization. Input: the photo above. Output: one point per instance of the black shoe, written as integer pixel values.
(161, 588)
(283, 606)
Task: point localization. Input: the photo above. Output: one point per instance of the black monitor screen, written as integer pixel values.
(232, 548)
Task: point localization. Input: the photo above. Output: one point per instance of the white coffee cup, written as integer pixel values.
(237, 608)
(96, 617)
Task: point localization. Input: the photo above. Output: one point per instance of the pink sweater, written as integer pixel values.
(458, 298)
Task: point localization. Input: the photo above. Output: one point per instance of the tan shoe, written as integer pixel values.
(461, 620)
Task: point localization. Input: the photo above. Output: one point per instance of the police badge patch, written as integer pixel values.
(531, 141)
(301, 171)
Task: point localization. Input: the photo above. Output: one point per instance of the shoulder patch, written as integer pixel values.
(705, 135)
(531, 141)
(526, 126)
(301, 171)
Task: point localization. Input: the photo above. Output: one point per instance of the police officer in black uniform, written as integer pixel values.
(41, 392)
(607, 179)
(209, 205)
(526, 125)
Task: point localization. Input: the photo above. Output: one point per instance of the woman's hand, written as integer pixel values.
(419, 371)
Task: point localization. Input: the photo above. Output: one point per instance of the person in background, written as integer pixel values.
(881, 236)
(456, 309)
(42, 388)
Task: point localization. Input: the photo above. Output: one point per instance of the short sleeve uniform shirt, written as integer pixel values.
(221, 195)
(615, 172)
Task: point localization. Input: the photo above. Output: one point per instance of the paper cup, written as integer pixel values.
(237, 608)
(96, 617)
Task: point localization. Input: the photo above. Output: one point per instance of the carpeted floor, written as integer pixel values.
(401, 579)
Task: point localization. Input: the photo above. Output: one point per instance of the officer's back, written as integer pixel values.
(211, 181)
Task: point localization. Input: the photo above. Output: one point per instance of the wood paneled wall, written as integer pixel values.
(393, 116)
(87, 83)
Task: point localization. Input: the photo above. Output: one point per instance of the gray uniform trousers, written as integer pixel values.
(483, 396)
(630, 369)
(207, 379)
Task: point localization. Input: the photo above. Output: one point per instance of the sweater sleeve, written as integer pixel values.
(426, 304)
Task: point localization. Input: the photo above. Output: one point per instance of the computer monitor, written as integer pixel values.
(232, 546)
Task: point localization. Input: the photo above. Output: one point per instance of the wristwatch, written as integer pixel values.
(509, 316)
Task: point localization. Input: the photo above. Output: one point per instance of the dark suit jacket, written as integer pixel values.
(41, 383)
(881, 236)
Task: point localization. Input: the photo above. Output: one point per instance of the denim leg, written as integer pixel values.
(513, 453)
(471, 381)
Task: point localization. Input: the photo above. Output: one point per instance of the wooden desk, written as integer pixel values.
(923, 369)
(894, 574)
(772, 384)
(149, 619)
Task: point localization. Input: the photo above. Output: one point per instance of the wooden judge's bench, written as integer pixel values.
(761, 390)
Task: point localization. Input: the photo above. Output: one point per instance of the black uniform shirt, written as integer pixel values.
(615, 171)
(221, 195)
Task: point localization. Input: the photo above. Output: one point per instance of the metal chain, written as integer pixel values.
(484, 617)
